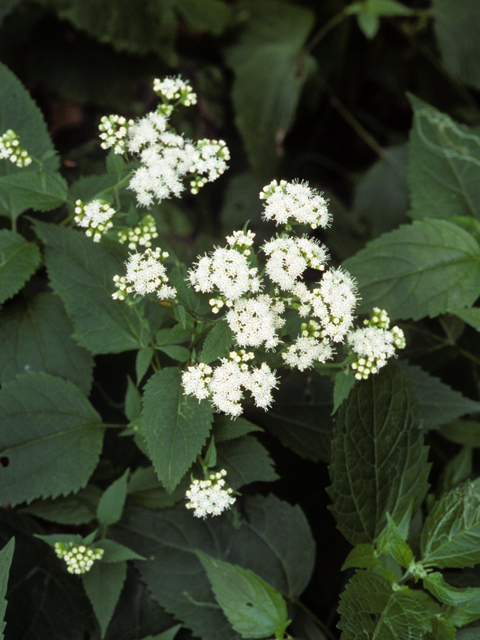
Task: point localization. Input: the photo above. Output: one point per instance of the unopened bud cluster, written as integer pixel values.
(79, 558)
(141, 235)
(171, 89)
(208, 497)
(113, 132)
(95, 217)
(374, 344)
(10, 149)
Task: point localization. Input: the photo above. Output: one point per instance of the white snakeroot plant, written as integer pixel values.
(288, 203)
(208, 497)
(146, 274)
(95, 216)
(79, 558)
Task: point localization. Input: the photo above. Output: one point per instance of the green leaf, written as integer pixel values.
(270, 68)
(175, 426)
(378, 8)
(362, 556)
(418, 270)
(35, 336)
(300, 416)
(272, 538)
(90, 187)
(391, 542)
(112, 502)
(245, 461)
(19, 260)
(142, 362)
(7, 7)
(169, 634)
(442, 630)
(50, 438)
(470, 316)
(6, 555)
(254, 608)
(457, 470)
(217, 343)
(133, 401)
(465, 432)
(467, 599)
(370, 608)
(454, 27)
(224, 428)
(379, 463)
(344, 383)
(205, 15)
(103, 584)
(438, 403)
(76, 509)
(19, 112)
(81, 272)
(369, 24)
(451, 534)
(40, 191)
(174, 335)
(115, 552)
(145, 489)
(444, 160)
(176, 352)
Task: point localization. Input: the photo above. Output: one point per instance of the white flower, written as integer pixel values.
(11, 149)
(289, 203)
(95, 217)
(289, 257)
(305, 351)
(79, 558)
(226, 270)
(196, 379)
(226, 387)
(145, 274)
(255, 321)
(333, 302)
(175, 89)
(261, 382)
(208, 497)
(241, 240)
(114, 130)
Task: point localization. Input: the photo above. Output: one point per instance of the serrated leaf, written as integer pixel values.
(115, 552)
(363, 556)
(142, 362)
(457, 470)
(50, 438)
(391, 542)
(444, 160)
(79, 508)
(217, 343)
(224, 428)
(169, 634)
(371, 609)
(40, 191)
(103, 584)
(470, 316)
(245, 461)
(451, 534)
(112, 502)
(465, 599)
(254, 608)
(6, 555)
(272, 539)
(418, 270)
(89, 187)
(269, 69)
(176, 352)
(35, 336)
(456, 36)
(145, 489)
(173, 335)
(344, 383)
(133, 401)
(175, 426)
(442, 630)
(379, 463)
(18, 261)
(81, 272)
(438, 403)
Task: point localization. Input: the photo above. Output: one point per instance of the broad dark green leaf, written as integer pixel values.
(418, 270)
(76, 509)
(89, 187)
(40, 191)
(379, 463)
(142, 362)
(103, 584)
(115, 552)
(112, 502)
(19, 112)
(467, 600)
(465, 432)
(253, 607)
(391, 542)
(19, 260)
(225, 428)
(35, 336)
(442, 630)
(175, 426)
(362, 556)
(270, 69)
(457, 470)
(144, 489)
(370, 609)
(272, 539)
(50, 438)
(6, 555)
(300, 416)
(133, 401)
(217, 343)
(344, 383)
(444, 160)
(438, 403)
(245, 461)
(81, 272)
(470, 316)
(451, 534)
(205, 15)
(454, 26)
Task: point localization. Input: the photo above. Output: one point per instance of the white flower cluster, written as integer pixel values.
(145, 274)
(290, 203)
(208, 497)
(289, 257)
(79, 558)
(255, 321)
(374, 344)
(166, 158)
(308, 348)
(113, 132)
(10, 149)
(224, 384)
(141, 235)
(95, 217)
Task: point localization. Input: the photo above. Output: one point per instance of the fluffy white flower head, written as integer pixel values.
(208, 497)
(255, 321)
(288, 203)
(145, 274)
(287, 259)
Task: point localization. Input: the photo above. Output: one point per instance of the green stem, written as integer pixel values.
(326, 28)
